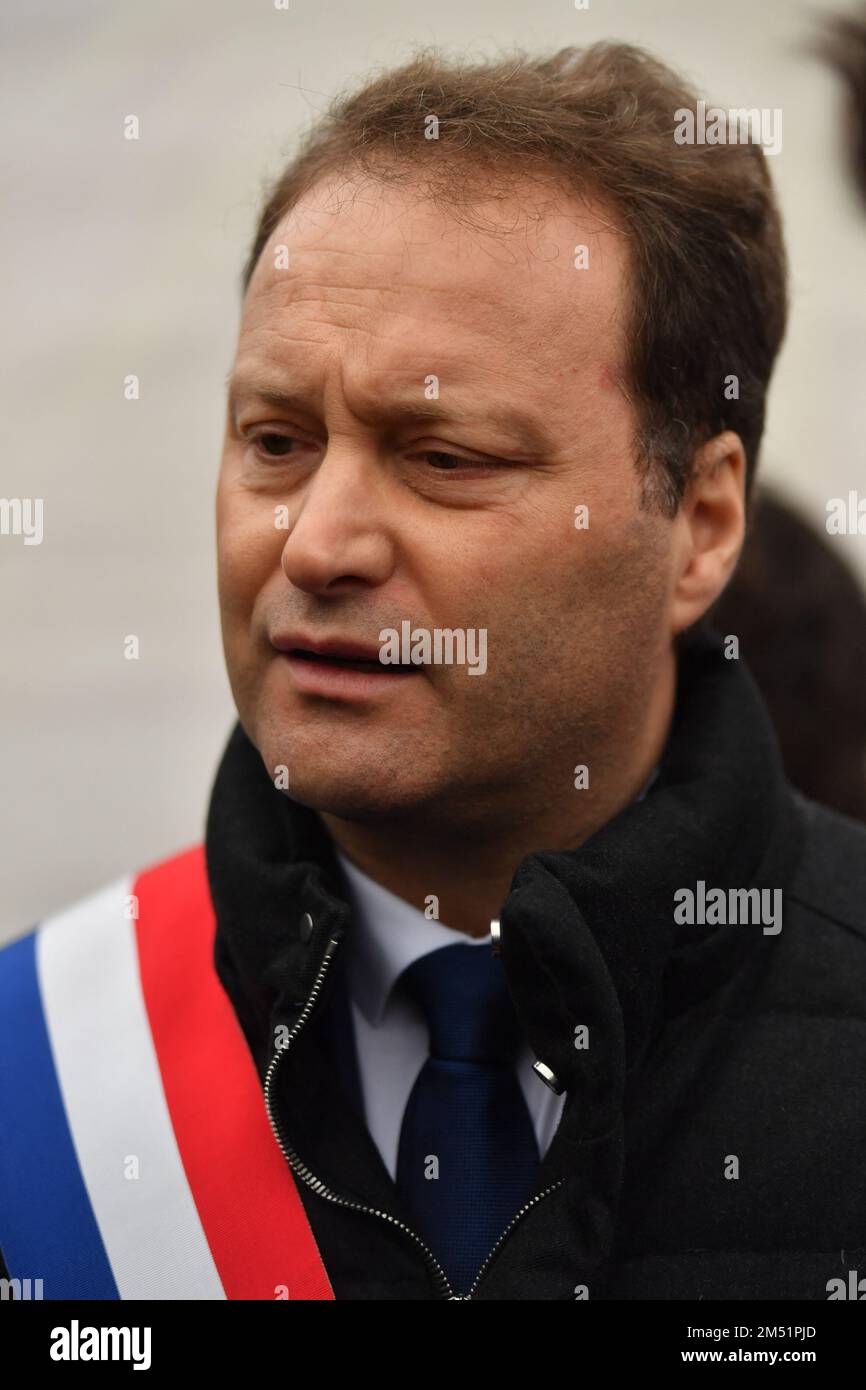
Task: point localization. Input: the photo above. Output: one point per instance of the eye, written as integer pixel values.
(445, 462)
(453, 462)
(274, 446)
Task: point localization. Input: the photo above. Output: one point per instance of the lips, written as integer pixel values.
(348, 663)
(337, 654)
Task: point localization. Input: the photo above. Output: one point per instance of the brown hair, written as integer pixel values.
(708, 297)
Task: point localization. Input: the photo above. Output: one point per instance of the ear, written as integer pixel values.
(711, 524)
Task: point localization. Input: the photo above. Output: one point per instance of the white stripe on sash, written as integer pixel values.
(109, 1078)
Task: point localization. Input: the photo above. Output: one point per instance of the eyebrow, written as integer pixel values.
(528, 432)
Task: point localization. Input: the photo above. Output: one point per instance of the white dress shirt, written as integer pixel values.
(391, 1033)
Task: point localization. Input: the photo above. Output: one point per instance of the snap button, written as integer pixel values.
(306, 927)
(549, 1077)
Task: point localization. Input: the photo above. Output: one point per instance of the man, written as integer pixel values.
(803, 625)
(513, 968)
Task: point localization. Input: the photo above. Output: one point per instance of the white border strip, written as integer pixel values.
(111, 1086)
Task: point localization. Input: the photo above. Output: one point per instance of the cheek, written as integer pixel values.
(571, 589)
(243, 569)
(248, 552)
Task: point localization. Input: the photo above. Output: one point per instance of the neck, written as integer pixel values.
(466, 860)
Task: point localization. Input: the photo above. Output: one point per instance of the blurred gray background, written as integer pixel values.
(123, 257)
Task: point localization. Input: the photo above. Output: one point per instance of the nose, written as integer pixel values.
(341, 536)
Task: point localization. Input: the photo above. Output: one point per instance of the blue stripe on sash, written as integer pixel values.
(47, 1227)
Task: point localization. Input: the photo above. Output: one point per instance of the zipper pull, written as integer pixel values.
(288, 1020)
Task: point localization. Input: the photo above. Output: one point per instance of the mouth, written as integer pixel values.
(341, 669)
(339, 662)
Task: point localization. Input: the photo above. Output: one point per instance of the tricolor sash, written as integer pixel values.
(136, 1158)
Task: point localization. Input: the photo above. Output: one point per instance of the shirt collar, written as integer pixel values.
(390, 934)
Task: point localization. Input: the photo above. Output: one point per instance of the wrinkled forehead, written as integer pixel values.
(534, 271)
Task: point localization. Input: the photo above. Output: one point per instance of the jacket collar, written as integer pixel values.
(588, 936)
(591, 934)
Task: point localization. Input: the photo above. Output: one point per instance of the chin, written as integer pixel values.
(353, 802)
(359, 789)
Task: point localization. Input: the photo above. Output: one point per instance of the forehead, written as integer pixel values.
(530, 285)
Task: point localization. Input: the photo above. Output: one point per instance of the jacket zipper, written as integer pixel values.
(444, 1289)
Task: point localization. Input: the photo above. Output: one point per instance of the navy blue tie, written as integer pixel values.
(468, 1156)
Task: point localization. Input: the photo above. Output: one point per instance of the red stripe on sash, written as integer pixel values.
(245, 1193)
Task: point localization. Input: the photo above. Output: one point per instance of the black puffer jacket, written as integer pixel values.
(713, 1140)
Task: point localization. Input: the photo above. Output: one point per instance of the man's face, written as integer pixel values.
(339, 517)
